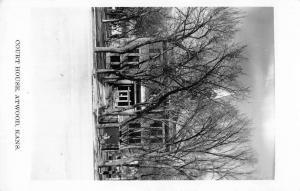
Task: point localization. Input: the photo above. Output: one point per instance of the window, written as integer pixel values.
(134, 140)
(156, 132)
(134, 125)
(156, 124)
(133, 58)
(122, 87)
(154, 50)
(134, 51)
(156, 140)
(135, 133)
(123, 103)
(115, 59)
(123, 96)
(115, 66)
(115, 62)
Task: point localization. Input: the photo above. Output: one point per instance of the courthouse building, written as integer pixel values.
(126, 93)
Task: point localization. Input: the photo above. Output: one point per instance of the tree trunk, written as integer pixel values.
(103, 71)
(131, 46)
(109, 20)
(132, 113)
(120, 162)
(103, 126)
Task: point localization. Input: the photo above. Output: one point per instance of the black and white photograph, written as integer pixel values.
(183, 93)
(119, 95)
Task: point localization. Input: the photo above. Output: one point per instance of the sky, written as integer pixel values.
(257, 32)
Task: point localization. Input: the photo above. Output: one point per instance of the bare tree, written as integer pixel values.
(210, 140)
(136, 21)
(207, 137)
(183, 25)
(198, 56)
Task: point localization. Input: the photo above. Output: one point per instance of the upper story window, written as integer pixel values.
(114, 58)
(154, 50)
(156, 140)
(156, 124)
(156, 132)
(134, 51)
(133, 58)
(135, 134)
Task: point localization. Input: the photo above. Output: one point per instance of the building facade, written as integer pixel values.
(117, 140)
